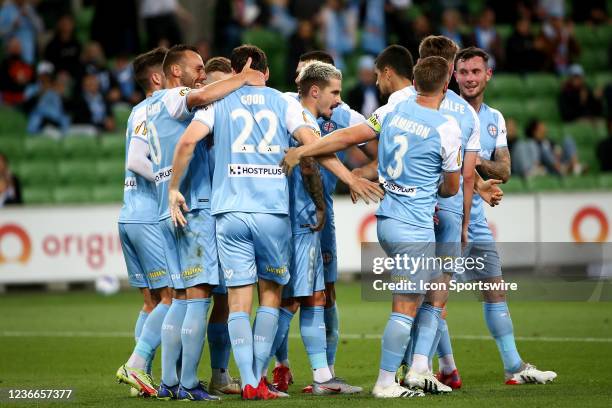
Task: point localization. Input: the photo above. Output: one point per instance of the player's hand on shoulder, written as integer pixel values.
(177, 204)
(490, 192)
(321, 219)
(292, 158)
(252, 76)
(366, 190)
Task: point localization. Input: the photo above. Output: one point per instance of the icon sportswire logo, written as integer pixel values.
(19, 233)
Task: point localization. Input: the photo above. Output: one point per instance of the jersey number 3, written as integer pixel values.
(396, 171)
(264, 146)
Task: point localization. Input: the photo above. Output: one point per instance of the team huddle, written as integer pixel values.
(229, 188)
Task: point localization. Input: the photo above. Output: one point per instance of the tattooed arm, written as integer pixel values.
(498, 168)
(313, 183)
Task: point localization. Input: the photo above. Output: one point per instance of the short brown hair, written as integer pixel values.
(240, 55)
(438, 46)
(317, 55)
(430, 74)
(144, 63)
(175, 54)
(472, 52)
(397, 58)
(218, 64)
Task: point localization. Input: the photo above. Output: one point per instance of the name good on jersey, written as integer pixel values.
(252, 128)
(139, 196)
(493, 135)
(416, 145)
(167, 118)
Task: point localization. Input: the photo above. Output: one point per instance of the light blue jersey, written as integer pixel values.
(252, 127)
(493, 135)
(139, 195)
(416, 144)
(167, 118)
(302, 209)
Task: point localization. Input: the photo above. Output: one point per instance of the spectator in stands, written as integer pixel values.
(18, 19)
(10, 187)
(15, 74)
(590, 11)
(93, 62)
(560, 45)
(122, 19)
(123, 75)
(161, 19)
(280, 18)
(524, 153)
(90, 107)
(339, 20)
(524, 51)
(421, 28)
(64, 49)
(364, 97)
(374, 36)
(451, 24)
(554, 159)
(604, 151)
(301, 42)
(485, 36)
(46, 99)
(576, 100)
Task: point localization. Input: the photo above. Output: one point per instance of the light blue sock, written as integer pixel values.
(150, 338)
(171, 341)
(193, 334)
(395, 341)
(407, 360)
(241, 336)
(280, 345)
(142, 318)
(332, 333)
(219, 345)
(497, 317)
(264, 332)
(444, 345)
(427, 321)
(312, 329)
(434, 345)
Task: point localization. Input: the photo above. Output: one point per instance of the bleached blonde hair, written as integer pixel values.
(316, 73)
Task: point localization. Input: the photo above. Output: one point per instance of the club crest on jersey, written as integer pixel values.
(329, 126)
(492, 129)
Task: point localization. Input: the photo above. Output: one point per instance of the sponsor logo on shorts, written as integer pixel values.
(130, 184)
(409, 191)
(277, 270)
(192, 271)
(163, 175)
(255, 170)
(156, 275)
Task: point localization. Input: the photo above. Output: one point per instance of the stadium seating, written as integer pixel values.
(42, 148)
(37, 195)
(542, 85)
(77, 173)
(38, 173)
(112, 147)
(506, 86)
(72, 194)
(110, 171)
(108, 193)
(543, 183)
(75, 147)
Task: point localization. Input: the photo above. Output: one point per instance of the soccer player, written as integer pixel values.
(190, 251)
(342, 116)
(139, 232)
(473, 74)
(250, 202)
(319, 87)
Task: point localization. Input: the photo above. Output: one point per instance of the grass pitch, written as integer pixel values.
(78, 340)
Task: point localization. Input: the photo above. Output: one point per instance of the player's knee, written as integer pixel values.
(290, 304)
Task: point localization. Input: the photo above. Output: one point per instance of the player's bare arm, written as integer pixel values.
(488, 190)
(217, 90)
(183, 153)
(468, 170)
(364, 189)
(498, 168)
(334, 142)
(450, 184)
(313, 184)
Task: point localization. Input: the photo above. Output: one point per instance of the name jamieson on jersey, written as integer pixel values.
(410, 126)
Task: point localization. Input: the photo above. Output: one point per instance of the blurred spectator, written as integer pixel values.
(161, 21)
(280, 18)
(93, 62)
(451, 24)
(554, 159)
(576, 99)
(604, 151)
(116, 28)
(15, 74)
(301, 42)
(18, 19)
(551, 7)
(373, 38)
(590, 11)
(46, 99)
(485, 36)
(123, 75)
(231, 18)
(421, 28)
(364, 96)
(339, 28)
(560, 45)
(523, 49)
(89, 107)
(524, 153)
(64, 49)
(10, 187)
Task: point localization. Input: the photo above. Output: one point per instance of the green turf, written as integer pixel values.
(87, 363)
